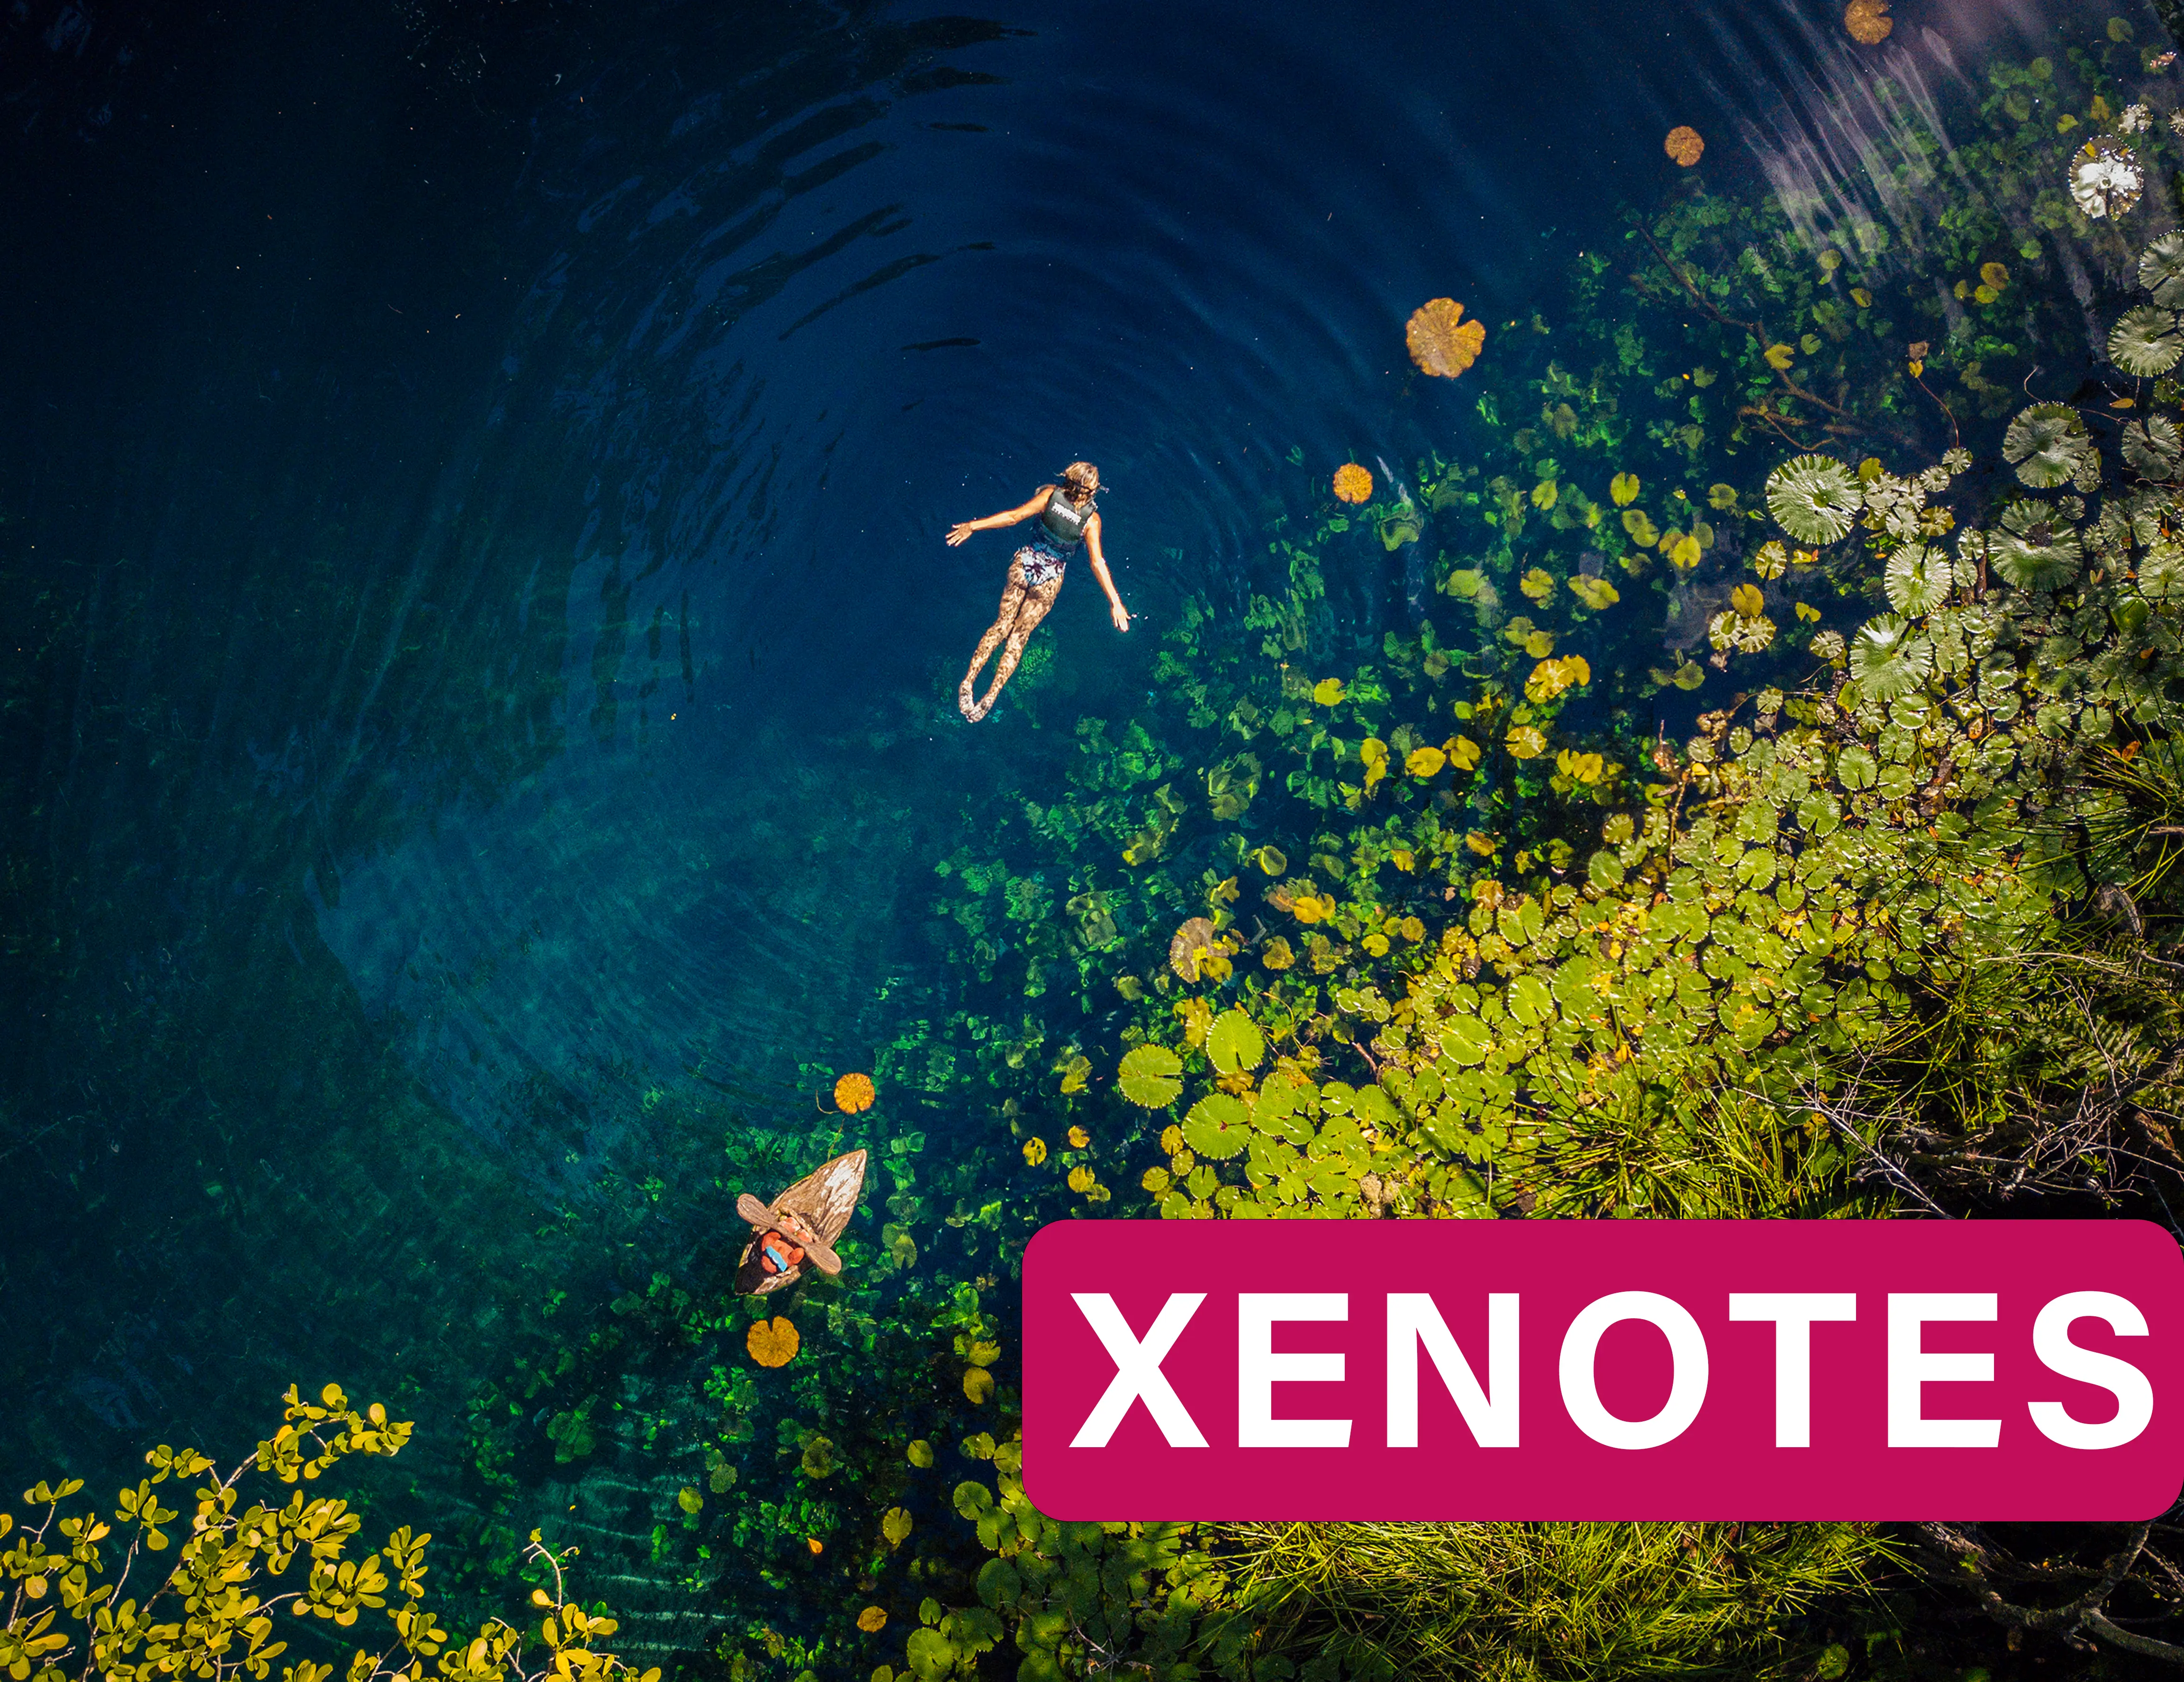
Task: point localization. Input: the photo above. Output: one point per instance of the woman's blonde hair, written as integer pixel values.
(1082, 478)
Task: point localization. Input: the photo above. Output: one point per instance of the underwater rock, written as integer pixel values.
(1441, 342)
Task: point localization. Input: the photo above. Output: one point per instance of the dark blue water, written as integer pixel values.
(478, 725)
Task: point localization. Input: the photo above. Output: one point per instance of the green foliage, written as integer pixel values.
(210, 1614)
(1545, 1602)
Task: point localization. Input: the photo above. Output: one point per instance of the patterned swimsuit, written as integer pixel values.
(1061, 530)
(1042, 560)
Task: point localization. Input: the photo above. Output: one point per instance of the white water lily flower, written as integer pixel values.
(2105, 177)
(2134, 118)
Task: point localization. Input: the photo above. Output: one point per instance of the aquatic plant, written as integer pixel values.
(1352, 483)
(1867, 21)
(1684, 144)
(853, 1093)
(2106, 177)
(772, 1343)
(1560, 1601)
(1441, 342)
(2047, 445)
(208, 1615)
(1813, 498)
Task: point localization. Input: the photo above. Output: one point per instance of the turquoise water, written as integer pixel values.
(480, 732)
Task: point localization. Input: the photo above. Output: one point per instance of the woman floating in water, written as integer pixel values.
(1067, 517)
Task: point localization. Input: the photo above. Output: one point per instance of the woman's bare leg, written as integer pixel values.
(1034, 608)
(1012, 600)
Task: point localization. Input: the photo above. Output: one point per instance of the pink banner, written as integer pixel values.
(1449, 1370)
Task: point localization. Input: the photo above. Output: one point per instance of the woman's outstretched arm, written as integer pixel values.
(1116, 611)
(959, 533)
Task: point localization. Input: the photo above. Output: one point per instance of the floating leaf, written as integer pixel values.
(1721, 496)
(1150, 1077)
(1463, 752)
(772, 1343)
(2152, 447)
(1779, 357)
(2046, 444)
(2106, 177)
(2034, 549)
(1857, 768)
(1188, 949)
(1217, 1126)
(920, 1453)
(2144, 341)
(894, 1525)
(1623, 489)
(1277, 954)
(1604, 871)
(977, 1385)
(1328, 691)
(1867, 22)
(1424, 761)
(1993, 276)
(1596, 593)
(1352, 483)
(1464, 1040)
(1918, 580)
(1770, 559)
(853, 1092)
(1441, 342)
(1082, 1178)
(1888, 660)
(1526, 742)
(1034, 1151)
(1683, 144)
(1233, 1043)
(1684, 551)
(1813, 498)
(1747, 600)
(1641, 526)
(2161, 270)
(871, 1620)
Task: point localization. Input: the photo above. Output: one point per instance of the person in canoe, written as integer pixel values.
(1067, 517)
(799, 1227)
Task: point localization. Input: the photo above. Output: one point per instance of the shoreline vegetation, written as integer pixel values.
(1757, 790)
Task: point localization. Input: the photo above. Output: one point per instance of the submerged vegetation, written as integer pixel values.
(1734, 772)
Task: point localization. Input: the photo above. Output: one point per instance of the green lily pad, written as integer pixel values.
(2161, 270)
(2036, 549)
(1856, 768)
(1233, 1043)
(2144, 341)
(2161, 574)
(2048, 444)
(1529, 1001)
(2154, 447)
(1464, 1040)
(1888, 659)
(1813, 498)
(1917, 581)
(1151, 1077)
(1605, 871)
(1217, 1126)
